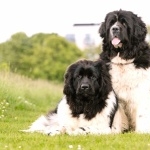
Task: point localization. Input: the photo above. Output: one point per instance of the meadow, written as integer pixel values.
(23, 100)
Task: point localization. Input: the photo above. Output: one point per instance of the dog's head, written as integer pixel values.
(122, 28)
(85, 79)
(87, 86)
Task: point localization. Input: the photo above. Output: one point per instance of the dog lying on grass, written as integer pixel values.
(89, 106)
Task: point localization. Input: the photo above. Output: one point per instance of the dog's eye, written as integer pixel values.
(79, 76)
(112, 21)
(93, 77)
(123, 21)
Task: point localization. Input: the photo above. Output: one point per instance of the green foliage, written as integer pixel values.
(4, 67)
(43, 56)
(23, 100)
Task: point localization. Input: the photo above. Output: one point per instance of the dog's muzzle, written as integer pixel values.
(115, 30)
(115, 35)
(84, 87)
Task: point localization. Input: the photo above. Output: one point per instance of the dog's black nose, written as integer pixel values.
(84, 86)
(115, 29)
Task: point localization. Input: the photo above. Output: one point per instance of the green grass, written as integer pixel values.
(23, 100)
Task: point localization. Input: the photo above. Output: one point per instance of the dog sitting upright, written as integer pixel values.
(128, 53)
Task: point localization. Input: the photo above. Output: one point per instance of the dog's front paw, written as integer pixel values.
(55, 131)
(79, 131)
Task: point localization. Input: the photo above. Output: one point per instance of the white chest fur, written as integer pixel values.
(132, 86)
(129, 82)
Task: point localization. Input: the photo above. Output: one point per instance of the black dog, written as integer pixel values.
(127, 52)
(89, 104)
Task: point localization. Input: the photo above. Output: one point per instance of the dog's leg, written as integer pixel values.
(89, 130)
(120, 122)
(143, 119)
(56, 130)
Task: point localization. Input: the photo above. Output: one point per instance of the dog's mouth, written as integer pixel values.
(116, 42)
(85, 93)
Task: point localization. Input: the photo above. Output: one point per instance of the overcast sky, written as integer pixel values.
(47, 16)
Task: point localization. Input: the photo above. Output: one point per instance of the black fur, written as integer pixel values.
(91, 101)
(89, 104)
(132, 34)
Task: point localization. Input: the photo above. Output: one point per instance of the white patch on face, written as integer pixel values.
(132, 87)
(115, 25)
(115, 35)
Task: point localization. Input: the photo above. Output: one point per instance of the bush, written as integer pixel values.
(43, 56)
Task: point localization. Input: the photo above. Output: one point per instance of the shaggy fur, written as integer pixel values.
(89, 104)
(127, 52)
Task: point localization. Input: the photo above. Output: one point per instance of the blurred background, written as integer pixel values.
(39, 38)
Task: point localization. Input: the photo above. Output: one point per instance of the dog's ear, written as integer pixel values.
(102, 29)
(140, 29)
(104, 76)
(99, 65)
(68, 80)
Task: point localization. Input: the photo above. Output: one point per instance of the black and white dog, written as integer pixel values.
(127, 52)
(89, 105)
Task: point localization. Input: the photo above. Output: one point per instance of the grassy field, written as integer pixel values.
(23, 100)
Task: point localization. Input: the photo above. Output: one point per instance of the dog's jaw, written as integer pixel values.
(118, 45)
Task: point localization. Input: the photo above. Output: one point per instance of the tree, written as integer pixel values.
(40, 56)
